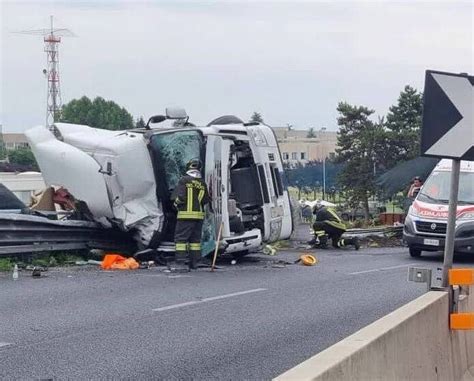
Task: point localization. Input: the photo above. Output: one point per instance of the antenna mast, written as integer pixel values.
(54, 103)
(52, 39)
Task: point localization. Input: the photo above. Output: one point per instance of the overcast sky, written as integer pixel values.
(290, 61)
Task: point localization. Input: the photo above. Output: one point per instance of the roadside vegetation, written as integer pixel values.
(45, 260)
(368, 148)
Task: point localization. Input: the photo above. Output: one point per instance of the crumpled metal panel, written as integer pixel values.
(124, 166)
(64, 165)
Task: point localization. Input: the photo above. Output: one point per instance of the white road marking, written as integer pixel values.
(173, 306)
(179, 276)
(233, 294)
(4, 344)
(380, 269)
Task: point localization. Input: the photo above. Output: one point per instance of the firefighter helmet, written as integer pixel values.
(308, 260)
(318, 205)
(193, 164)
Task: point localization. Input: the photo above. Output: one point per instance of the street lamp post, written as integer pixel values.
(373, 160)
(324, 178)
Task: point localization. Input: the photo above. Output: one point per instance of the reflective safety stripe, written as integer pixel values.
(338, 225)
(195, 246)
(200, 197)
(181, 247)
(341, 243)
(319, 232)
(333, 213)
(184, 215)
(190, 199)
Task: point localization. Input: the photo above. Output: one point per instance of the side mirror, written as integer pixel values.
(155, 119)
(176, 113)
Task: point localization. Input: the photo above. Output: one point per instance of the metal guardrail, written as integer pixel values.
(23, 233)
(383, 230)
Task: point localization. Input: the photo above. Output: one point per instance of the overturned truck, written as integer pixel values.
(126, 178)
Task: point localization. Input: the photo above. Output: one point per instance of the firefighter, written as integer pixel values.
(328, 225)
(190, 196)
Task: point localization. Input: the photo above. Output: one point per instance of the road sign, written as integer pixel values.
(448, 120)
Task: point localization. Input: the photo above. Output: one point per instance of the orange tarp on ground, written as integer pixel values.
(117, 262)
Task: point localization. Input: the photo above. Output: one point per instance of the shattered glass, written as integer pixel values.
(175, 150)
(208, 237)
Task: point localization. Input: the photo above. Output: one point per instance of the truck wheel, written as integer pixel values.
(415, 253)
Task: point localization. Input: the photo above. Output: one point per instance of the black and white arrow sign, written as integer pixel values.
(448, 120)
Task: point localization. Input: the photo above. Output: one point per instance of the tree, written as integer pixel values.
(361, 144)
(98, 113)
(256, 117)
(140, 123)
(3, 150)
(403, 127)
(23, 156)
(311, 133)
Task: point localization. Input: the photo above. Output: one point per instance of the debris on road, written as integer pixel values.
(307, 260)
(15, 272)
(88, 262)
(278, 266)
(269, 250)
(117, 262)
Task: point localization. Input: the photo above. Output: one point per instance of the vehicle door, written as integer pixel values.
(277, 210)
(218, 179)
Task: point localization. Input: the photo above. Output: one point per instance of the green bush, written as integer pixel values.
(6, 264)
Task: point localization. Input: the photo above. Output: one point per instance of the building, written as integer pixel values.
(297, 147)
(14, 141)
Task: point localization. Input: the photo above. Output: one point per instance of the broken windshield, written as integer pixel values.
(172, 151)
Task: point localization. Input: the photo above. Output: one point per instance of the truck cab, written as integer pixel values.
(426, 222)
(126, 179)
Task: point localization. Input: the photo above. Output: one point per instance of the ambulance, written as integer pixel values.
(126, 177)
(425, 224)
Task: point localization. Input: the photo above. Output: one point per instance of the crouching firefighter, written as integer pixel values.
(190, 196)
(328, 225)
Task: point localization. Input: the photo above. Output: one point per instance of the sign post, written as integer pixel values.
(448, 132)
(450, 229)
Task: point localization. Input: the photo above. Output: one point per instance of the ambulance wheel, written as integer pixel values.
(415, 253)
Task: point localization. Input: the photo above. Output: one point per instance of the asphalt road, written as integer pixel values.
(252, 320)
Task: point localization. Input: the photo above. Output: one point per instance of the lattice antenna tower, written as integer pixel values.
(52, 39)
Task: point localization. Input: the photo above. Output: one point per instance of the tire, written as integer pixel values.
(414, 253)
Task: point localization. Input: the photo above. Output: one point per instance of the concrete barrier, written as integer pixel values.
(411, 343)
